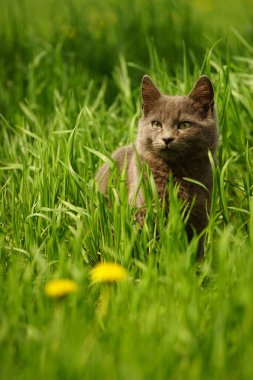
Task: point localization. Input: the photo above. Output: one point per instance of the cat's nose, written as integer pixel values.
(168, 140)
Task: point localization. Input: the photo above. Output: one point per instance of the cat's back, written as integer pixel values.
(119, 156)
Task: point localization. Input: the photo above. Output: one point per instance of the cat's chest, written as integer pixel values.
(162, 186)
(161, 178)
(187, 190)
(162, 174)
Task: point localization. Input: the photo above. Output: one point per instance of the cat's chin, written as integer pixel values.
(167, 153)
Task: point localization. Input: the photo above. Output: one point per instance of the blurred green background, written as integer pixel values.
(70, 77)
(88, 36)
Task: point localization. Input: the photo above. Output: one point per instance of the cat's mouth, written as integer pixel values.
(163, 147)
(168, 148)
(168, 152)
(165, 150)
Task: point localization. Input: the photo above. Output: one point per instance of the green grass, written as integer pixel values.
(173, 317)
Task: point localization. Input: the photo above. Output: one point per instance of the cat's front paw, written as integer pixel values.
(140, 217)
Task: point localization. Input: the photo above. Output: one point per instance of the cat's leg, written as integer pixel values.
(197, 222)
(135, 193)
(102, 178)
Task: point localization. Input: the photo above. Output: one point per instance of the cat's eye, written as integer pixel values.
(156, 123)
(184, 125)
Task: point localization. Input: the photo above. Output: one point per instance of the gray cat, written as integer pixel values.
(174, 137)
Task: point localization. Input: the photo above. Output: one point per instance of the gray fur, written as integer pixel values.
(186, 154)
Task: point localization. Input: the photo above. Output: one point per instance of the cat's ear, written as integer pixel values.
(149, 94)
(203, 94)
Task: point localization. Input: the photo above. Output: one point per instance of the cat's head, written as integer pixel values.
(178, 127)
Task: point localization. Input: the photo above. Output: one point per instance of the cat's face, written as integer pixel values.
(177, 127)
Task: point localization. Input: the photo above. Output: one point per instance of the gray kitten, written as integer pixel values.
(174, 137)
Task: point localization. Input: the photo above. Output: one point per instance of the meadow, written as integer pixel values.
(70, 79)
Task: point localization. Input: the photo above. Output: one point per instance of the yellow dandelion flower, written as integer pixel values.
(108, 272)
(60, 287)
